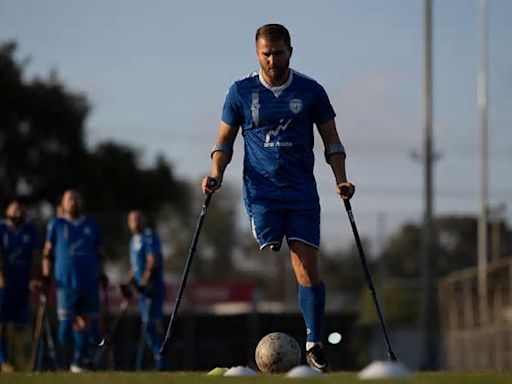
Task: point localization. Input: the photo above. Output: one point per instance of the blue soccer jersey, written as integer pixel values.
(75, 251)
(141, 245)
(277, 126)
(16, 251)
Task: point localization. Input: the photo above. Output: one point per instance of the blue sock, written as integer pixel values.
(3, 347)
(65, 328)
(155, 339)
(81, 347)
(312, 305)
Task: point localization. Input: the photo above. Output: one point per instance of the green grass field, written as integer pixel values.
(200, 377)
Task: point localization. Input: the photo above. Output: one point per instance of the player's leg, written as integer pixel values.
(80, 360)
(5, 366)
(87, 308)
(66, 299)
(311, 290)
(155, 335)
(4, 361)
(311, 295)
(21, 321)
(303, 234)
(144, 306)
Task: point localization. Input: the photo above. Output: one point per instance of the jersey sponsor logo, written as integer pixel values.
(77, 248)
(275, 132)
(295, 105)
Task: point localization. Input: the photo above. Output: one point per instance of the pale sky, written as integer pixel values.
(156, 73)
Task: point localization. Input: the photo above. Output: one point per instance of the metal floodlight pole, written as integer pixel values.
(429, 319)
(482, 111)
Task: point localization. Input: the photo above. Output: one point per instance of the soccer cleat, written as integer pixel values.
(316, 359)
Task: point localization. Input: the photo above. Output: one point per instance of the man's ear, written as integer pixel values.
(291, 51)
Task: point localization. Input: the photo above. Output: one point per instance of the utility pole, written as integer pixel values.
(429, 313)
(484, 212)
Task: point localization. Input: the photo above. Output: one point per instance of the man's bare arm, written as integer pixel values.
(220, 158)
(330, 137)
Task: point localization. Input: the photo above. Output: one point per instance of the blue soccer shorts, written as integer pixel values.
(73, 302)
(14, 306)
(272, 221)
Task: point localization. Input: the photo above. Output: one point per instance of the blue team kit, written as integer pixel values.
(16, 251)
(141, 245)
(280, 192)
(76, 245)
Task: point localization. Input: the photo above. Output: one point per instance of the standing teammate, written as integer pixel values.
(73, 249)
(276, 109)
(147, 276)
(19, 246)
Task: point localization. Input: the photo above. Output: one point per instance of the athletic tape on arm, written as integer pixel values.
(222, 147)
(332, 149)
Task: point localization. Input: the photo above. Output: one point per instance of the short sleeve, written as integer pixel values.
(51, 231)
(232, 113)
(151, 243)
(322, 111)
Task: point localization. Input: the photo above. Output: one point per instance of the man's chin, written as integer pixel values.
(276, 76)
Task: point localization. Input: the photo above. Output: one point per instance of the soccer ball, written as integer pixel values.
(277, 352)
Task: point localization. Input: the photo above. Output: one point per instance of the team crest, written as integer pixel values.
(295, 105)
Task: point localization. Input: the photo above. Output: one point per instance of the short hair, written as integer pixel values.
(274, 32)
(75, 192)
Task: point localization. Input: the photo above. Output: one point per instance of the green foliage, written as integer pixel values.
(43, 152)
(455, 248)
(41, 133)
(399, 304)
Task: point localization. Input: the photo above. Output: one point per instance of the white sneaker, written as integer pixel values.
(75, 368)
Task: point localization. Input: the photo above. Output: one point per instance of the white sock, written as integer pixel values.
(311, 344)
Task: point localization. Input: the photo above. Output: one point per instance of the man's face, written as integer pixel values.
(274, 58)
(14, 212)
(135, 222)
(70, 203)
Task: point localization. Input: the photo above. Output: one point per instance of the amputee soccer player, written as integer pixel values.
(72, 248)
(19, 247)
(276, 109)
(147, 275)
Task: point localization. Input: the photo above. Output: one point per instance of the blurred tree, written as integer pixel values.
(43, 152)
(400, 262)
(41, 133)
(401, 254)
(456, 247)
(218, 238)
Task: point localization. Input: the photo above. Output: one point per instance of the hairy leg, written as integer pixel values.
(305, 263)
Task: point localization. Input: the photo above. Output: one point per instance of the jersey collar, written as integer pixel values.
(279, 89)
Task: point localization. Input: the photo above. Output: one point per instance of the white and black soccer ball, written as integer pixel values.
(277, 352)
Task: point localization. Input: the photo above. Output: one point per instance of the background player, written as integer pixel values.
(19, 247)
(147, 276)
(73, 249)
(276, 109)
